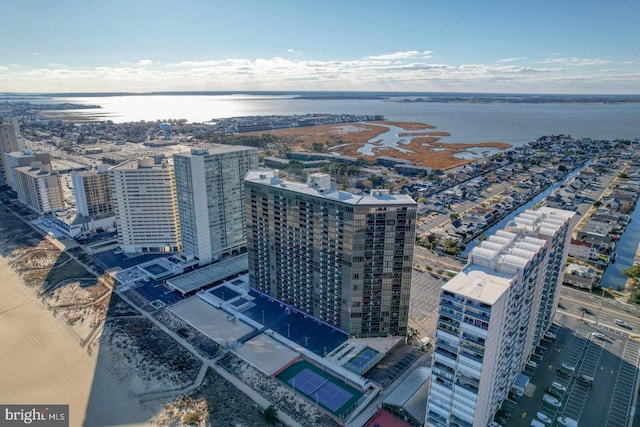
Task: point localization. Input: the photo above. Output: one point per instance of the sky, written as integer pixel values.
(491, 46)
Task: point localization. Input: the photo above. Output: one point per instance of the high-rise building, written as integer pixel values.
(39, 188)
(23, 158)
(92, 191)
(145, 206)
(492, 314)
(9, 142)
(342, 258)
(210, 194)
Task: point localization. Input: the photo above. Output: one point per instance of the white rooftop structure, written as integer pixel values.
(376, 198)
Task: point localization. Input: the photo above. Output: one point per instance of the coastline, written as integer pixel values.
(43, 364)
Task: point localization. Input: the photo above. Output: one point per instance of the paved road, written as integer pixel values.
(600, 311)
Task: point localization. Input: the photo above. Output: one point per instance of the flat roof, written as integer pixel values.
(210, 274)
(214, 149)
(270, 178)
(480, 283)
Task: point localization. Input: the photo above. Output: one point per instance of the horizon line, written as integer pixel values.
(316, 92)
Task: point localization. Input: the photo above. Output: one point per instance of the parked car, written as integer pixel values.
(585, 379)
(555, 392)
(567, 422)
(551, 401)
(622, 323)
(543, 417)
(599, 335)
(532, 364)
(517, 393)
(558, 386)
(586, 310)
(566, 369)
(550, 335)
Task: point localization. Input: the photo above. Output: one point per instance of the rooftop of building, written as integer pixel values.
(214, 149)
(545, 220)
(480, 283)
(377, 197)
(25, 153)
(37, 169)
(140, 164)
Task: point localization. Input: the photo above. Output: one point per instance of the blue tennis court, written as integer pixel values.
(321, 389)
(361, 362)
(325, 388)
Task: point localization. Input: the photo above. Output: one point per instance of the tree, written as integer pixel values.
(451, 247)
(270, 414)
(632, 272)
(191, 418)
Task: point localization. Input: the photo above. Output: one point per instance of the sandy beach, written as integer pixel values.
(43, 364)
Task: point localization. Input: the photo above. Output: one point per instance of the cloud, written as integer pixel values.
(514, 59)
(400, 71)
(403, 55)
(576, 61)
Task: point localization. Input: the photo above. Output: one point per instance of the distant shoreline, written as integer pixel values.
(444, 97)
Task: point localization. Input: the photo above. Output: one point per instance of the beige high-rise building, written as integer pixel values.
(9, 142)
(39, 188)
(23, 158)
(145, 206)
(342, 258)
(210, 192)
(92, 191)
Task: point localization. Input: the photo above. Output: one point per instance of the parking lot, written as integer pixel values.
(611, 362)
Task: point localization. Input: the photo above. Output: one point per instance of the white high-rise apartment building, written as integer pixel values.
(342, 258)
(145, 206)
(210, 194)
(492, 314)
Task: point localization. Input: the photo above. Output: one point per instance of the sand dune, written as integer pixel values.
(40, 363)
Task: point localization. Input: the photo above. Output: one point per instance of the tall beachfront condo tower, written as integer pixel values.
(492, 314)
(145, 206)
(342, 258)
(9, 142)
(210, 192)
(92, 191)
(39, 188)
(23, 158)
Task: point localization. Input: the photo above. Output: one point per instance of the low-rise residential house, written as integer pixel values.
(582, 249)
(613, 204)
(624, 196)
(597, 234)
(580, 276)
